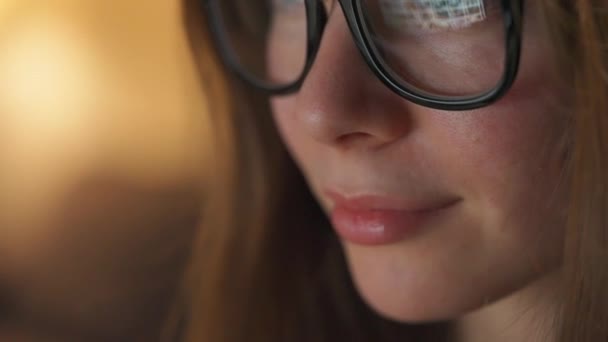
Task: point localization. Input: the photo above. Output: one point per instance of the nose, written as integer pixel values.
(342, 103)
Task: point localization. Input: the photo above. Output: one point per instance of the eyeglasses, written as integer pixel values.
(444, 54)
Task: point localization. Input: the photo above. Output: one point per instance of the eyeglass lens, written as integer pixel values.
(450, 48)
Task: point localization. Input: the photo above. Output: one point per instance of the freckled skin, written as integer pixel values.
(504, 162)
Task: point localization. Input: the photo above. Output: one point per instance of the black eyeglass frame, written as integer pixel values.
(352, 9)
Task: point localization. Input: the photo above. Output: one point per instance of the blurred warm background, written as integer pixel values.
(102, 143)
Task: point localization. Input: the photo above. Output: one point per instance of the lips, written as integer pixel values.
(382, 220)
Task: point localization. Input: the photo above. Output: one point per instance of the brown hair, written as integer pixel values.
(258, 276)
(585, 312)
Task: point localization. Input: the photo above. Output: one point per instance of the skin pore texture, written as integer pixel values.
(100, 166)
(488, 262)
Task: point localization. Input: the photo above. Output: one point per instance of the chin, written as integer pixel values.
(416, 310)
(416, 290)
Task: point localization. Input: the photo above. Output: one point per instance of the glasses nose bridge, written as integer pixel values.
(321, 18)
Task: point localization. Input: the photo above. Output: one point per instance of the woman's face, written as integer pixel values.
(439, 212)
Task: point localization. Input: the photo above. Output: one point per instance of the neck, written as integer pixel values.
(528, 315)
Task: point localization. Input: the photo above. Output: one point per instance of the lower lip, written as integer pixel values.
(379, 227)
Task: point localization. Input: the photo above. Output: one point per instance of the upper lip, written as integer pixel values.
(386, 202)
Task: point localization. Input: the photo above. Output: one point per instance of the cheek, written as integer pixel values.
(309, 155)
(516, 145)
(283, 110)
(508, 161)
